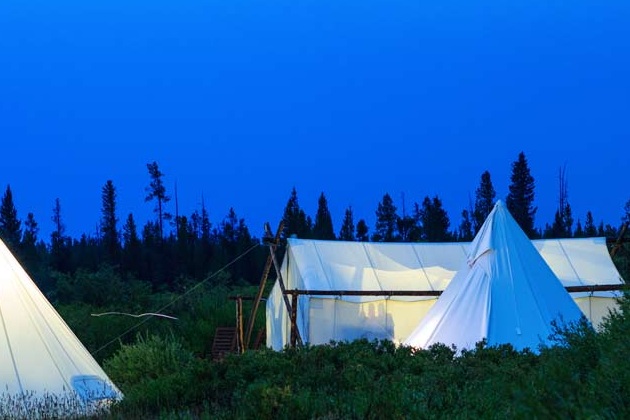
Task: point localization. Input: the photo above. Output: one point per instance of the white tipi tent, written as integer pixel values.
(506, 294)
(43, 365)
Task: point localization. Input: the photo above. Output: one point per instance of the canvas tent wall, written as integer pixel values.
(40, 358)
(505, 293)
(338, 265)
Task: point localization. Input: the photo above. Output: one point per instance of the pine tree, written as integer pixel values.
(435, 221)
(205, 223)
(59, 243)
(484, 201)
(626, 210)
(600, 230)
(347, 228)
(132, 247)
(521, 196)
(323, 228)
(408, 226)
(465, 227)
(385, 229)
(29, 239)
(156, 191)
(589, 226)
(579, 232)
(362, 231)
(10, 225)
(563, 221)
(234, 237)
(295, 220)
(109, 222)
(30, 252)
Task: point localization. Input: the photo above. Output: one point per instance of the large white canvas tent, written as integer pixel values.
(506, 293)
(367, 266)
(42, 363)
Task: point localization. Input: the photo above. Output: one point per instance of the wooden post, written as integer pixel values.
(239, 325)
(283, 290)
(294, 330)
(261, 287)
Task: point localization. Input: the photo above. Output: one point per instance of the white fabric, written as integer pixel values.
(338, 265)
(39, 354)
(506, 293)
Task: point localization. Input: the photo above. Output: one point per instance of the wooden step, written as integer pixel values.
(224, 342)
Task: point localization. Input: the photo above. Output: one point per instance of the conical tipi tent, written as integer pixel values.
(43, 365)
(505, 294)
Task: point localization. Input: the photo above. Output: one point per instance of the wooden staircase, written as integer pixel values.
(224, 342)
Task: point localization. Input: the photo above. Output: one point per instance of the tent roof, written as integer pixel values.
(39, 354)
(506, 293)
(339, 265)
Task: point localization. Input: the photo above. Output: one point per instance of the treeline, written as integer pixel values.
(429, 221)
(173, 248)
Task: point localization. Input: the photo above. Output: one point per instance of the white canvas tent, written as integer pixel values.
(365, 266)
(506, 293)
(41, 360)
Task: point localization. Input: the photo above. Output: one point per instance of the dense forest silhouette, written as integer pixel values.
(173, 251)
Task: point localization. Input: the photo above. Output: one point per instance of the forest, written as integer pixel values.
(188, 266)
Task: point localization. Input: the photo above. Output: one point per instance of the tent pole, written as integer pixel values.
(291, 307)
(295, 335)
(261, 288)
(239, 325)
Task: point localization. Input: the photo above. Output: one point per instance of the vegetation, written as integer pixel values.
(187, 267)
(585, 374)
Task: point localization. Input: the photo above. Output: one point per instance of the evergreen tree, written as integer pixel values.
(132, 247)
(626, 210)
(562, 226)
(156, 191)
(109, 222)
(362, 231)
(408, 226)
(234, 238)
(30, 252)
(589, 226)
(323, 228)
(435, 221)
(579, 232)
(385, 229)
(521, 196)
(59, 243)
(347, 228)
(10, 225)
(600, 229)
(484, 200)
(465, 227)
(295, 220)
(29, 239)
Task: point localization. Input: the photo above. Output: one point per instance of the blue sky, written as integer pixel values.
(242, 100)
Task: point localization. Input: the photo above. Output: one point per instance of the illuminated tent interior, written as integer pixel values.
(368, 266)
(41, 360)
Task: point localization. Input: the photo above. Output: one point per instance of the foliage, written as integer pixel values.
(385, 229)
(296, 222)
(109, 221)
(434, 220)
(484, 201)
(10, 225)
(346, 233)
(520, 199)
(323, 228)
